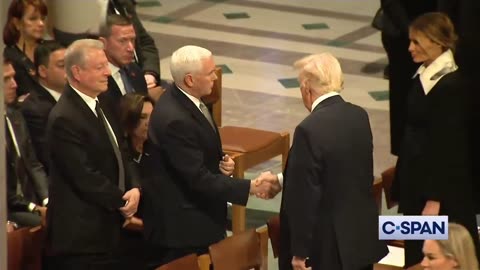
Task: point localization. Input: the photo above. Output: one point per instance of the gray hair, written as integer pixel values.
(323, 71)
(187, 60)
(75, 53)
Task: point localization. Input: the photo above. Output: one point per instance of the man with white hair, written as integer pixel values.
(93, 190)
(328, 217)
(189, 183)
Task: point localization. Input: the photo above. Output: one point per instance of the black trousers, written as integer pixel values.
(25, 219)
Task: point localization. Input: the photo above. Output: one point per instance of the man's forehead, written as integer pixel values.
(8, 70)
(123, 29)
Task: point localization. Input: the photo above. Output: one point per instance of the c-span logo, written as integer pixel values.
(413, 227)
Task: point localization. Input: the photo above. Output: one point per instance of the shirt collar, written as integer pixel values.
(322, 98)
(91, 102)
(195, 100)
(113, 69)
(56, 95)
(431, 74)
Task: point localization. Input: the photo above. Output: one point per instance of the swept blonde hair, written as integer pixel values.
(322, 71)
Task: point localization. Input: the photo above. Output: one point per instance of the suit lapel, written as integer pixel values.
(113, 89)
(196, 113)
(91, 120)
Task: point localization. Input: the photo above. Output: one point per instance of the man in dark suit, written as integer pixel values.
(189, 181)
(27, 183)
(118, 37)
(328, 217)
(49, 63)
(69, 24)
(92, 189)
(146, 53)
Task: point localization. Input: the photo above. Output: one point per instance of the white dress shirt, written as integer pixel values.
(56, 95)
(195, 100)
(117, 77)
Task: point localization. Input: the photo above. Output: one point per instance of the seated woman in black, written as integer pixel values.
(24, 29)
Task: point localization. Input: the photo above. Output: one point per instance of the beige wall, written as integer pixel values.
(3, 186)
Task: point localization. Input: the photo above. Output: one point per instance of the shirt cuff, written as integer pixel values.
(45, 202)
(31, 207)
(280, 179)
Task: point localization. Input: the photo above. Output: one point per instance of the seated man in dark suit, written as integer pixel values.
(27, 185)
(118, 37)
(49, 62)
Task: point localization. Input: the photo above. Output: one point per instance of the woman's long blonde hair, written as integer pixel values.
(460, 247)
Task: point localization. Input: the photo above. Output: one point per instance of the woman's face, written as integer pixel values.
(434, 259)
(32, 24)
(423, 49)
(141, 130)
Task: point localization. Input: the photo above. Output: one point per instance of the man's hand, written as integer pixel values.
(133, 224)
(150, 80)
(299, 263)
(432, 208)
(272, 180)
(132, 198)
(43, 214)
(266, 186)
(227, 165)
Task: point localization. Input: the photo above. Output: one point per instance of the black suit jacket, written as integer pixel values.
(147, 52)
(35, 109)
(185, 195)
(83, 214)
(327, 200)
(24, 70)
(28, 170)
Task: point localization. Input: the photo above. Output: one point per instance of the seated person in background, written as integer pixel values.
(22, 33)
(118, 37)
(135, 111)
(27, 183)
(69, 22)
(146, 53)
(458, 252)
(49, 63)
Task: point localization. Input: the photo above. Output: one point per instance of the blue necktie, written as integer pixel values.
(126, 81)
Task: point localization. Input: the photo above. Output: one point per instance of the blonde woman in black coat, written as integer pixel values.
(433, 175)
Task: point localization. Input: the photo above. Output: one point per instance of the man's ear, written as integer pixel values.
(104, 41)
(75, 72)
(188, 80)
(42, 71)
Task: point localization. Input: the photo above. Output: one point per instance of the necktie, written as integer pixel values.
(116, 150)
(126, 81)
(207, 115)
(20, 170)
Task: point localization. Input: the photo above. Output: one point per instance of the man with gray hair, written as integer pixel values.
(189, 181)
(92, 191)
(328, 216)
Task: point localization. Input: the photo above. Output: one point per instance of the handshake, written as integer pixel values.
(265, 186)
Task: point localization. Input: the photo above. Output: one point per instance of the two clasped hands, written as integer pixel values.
(265, 186)
(132, 199)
